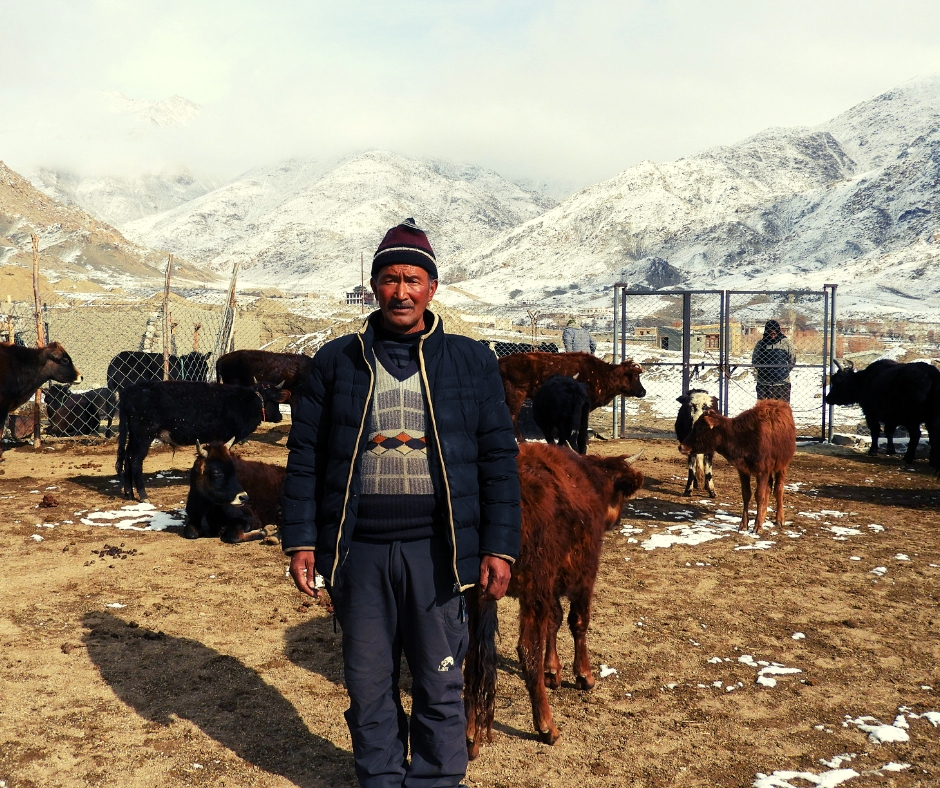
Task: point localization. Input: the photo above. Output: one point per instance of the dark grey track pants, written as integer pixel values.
(399, 597)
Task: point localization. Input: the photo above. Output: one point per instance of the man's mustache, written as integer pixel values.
(396, 304)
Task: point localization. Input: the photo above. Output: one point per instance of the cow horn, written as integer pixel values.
(202, 450)
(281, 384)
(575, 376)
(255, 380)
(634, 457)
(229, 444)
(850, 365)
(837, 364)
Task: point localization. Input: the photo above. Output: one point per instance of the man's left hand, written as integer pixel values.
(494, 576)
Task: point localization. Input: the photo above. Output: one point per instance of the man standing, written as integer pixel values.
(576, 339)
(402, 491)
(773, 358)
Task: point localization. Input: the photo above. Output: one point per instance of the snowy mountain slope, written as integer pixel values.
(787, 208)
(118, 200)
(304, 223)
(72, 243)
(172, 112)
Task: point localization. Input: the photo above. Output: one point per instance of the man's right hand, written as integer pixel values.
(303, 572)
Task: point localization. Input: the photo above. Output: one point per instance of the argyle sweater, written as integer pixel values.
(397, 500)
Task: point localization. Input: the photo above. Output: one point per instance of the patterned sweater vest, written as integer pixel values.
(397, 497)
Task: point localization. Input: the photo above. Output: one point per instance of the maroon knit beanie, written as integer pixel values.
(406, 244)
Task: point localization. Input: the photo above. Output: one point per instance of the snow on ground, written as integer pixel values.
(134, 517)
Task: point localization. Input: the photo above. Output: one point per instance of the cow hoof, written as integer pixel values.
(190, 533)
(584, 682)
(712, 494)
(550, 736)
(890, 452)
(473, 749)
(687, 493)
(552, 680)
(873, 452)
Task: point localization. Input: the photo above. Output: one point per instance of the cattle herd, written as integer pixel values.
(569, 499)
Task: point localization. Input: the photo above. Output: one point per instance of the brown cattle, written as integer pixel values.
(25, 369)
(568, 502)
(524, 373)
(244, 367)
(231, 498)
(759, 442)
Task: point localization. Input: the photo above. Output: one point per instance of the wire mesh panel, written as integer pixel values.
(677, 339)
(781, 353)
(736, 346)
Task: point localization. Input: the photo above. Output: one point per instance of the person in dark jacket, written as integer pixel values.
(402, 491)
(773, 358)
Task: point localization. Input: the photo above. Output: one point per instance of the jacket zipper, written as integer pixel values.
(352, 464)
(437, 439)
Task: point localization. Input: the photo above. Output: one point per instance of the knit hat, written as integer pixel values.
(772, 325)
(572, 323)
(408, 245)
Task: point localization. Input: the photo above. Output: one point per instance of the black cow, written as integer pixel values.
(244, 367)
(181, 412)
(25, 369)
(694, 403)
(562, 404)
(79, 414)
(136, 366)
(894, 394)
(231, 498)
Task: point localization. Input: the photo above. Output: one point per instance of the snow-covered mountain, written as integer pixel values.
(304, 223)
(72, 244)
(854, 201)
(118, 200)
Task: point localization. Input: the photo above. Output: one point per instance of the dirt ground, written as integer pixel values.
(143, 659)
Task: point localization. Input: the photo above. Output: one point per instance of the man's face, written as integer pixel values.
(403, 292)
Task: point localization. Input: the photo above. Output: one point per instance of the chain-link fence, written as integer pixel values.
(115, 344)
(724, 342)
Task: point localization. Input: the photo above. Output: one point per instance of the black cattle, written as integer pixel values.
(25, 369)
(231, 498)
(79, 414)
(694, 403)
(562, 405)
(132, 366)
(244, 367)
(892, 394)
(181, 413)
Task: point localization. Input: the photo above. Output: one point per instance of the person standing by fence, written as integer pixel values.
(577, 339)
(773, 358)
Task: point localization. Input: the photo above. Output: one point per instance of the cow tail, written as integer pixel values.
(480, 670)
(122, 437)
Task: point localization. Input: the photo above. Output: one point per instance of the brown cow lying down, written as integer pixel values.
(568, 502)
(524, 373)
(759, 442)
(230, 497)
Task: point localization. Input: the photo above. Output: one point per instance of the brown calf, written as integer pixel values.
(568, 502)
(759, 442)
(524, 373)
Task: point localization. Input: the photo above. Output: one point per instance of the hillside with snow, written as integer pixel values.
(304, 223)
(853, 201)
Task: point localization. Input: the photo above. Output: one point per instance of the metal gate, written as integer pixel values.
(705, 339)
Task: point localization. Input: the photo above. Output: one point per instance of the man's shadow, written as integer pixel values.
(161, 676)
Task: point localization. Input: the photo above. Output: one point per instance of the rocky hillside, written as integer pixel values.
(73, 245)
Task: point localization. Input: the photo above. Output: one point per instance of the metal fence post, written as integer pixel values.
(613, 425)
(686, 339)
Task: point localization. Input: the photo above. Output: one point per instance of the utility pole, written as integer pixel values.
(40, 335)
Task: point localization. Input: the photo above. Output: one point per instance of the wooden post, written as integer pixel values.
(196, 329)
(40, 335)
(226, 340)
(166, 318)
(11, 323)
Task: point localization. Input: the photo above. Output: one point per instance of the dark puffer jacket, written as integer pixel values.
(472, 451)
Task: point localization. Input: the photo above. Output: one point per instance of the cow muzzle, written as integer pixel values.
(240, 500)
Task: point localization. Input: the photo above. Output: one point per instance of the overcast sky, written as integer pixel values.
(554, 91)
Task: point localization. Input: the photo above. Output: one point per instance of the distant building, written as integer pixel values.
(702, 339)
(360, 295)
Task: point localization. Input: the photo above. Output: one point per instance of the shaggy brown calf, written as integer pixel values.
(759, 442)
(568, 502)
(229, 497)
(524, 373)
